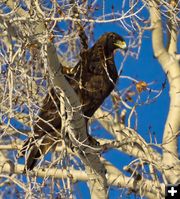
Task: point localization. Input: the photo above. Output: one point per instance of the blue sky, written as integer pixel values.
(145, 68)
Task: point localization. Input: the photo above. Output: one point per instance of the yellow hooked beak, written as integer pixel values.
(121, 44)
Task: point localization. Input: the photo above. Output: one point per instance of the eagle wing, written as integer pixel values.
(93, 79)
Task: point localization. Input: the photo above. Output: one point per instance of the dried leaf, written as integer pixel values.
(173, 3)
(141, 86)
(129, 95)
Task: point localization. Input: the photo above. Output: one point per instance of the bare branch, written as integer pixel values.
(171, 67)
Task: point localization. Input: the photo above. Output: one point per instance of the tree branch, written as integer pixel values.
(171, 67)
(142, 187)
(77, 129)
(122, 133)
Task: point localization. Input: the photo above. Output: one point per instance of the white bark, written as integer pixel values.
(142, 187)
(171, 67)
(77, 130)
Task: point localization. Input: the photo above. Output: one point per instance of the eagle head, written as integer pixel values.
(115, 41)
(112, 41)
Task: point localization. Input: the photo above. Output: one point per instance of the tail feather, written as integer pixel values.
(32, 158)
(34, 149)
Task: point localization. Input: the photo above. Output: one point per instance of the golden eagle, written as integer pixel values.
(93, 79)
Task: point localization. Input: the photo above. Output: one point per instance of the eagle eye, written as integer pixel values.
(112, 37)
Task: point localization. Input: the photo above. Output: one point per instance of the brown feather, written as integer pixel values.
(93, 79)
